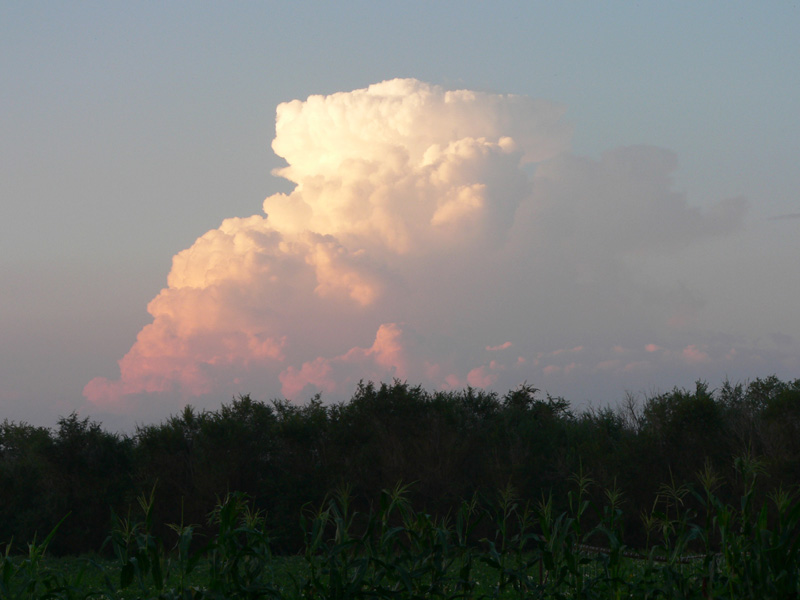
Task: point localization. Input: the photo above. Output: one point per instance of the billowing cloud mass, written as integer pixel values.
(444, 237)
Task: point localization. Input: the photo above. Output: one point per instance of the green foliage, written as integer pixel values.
(398, 551)
(78, 469)
(28, 578)
(452, 445)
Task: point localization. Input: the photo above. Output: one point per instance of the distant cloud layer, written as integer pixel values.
(444, 237)
(788, 216)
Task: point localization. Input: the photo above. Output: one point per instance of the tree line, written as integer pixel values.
(448, 445)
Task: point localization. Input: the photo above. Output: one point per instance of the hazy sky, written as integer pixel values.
(591, 197)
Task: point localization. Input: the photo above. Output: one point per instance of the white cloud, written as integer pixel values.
(404, 166)
(416, 238)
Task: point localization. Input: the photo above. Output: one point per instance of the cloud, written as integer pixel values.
(786, 217)
(625, 204)
(227, 299)
(503, 346)
(385, 359)
(693, 354)
(406, 167)
(480, 377)
(424, 225)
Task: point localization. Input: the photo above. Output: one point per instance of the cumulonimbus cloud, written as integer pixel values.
(425, 224)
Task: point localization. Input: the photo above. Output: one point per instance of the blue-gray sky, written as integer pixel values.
(128, 131)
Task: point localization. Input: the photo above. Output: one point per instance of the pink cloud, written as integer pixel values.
(693, 354)
(388, 350)
(500, 347)
(386, 359)
(452, 382)
(636, 365)
(609, 365)
(225, 310)
(317, 373)
(479, 377)
(183, 357)
(574, 350)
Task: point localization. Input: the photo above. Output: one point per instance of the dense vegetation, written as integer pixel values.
(449, 446)
(395, 551)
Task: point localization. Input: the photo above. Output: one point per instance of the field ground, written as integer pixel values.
(289, 577)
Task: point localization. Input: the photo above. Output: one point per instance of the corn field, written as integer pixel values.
(501, 547)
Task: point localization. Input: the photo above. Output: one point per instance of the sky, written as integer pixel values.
(281, 199)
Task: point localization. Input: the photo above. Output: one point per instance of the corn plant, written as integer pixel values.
(747, 550)
(239, 557)
(29, 579)
(138, 551)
